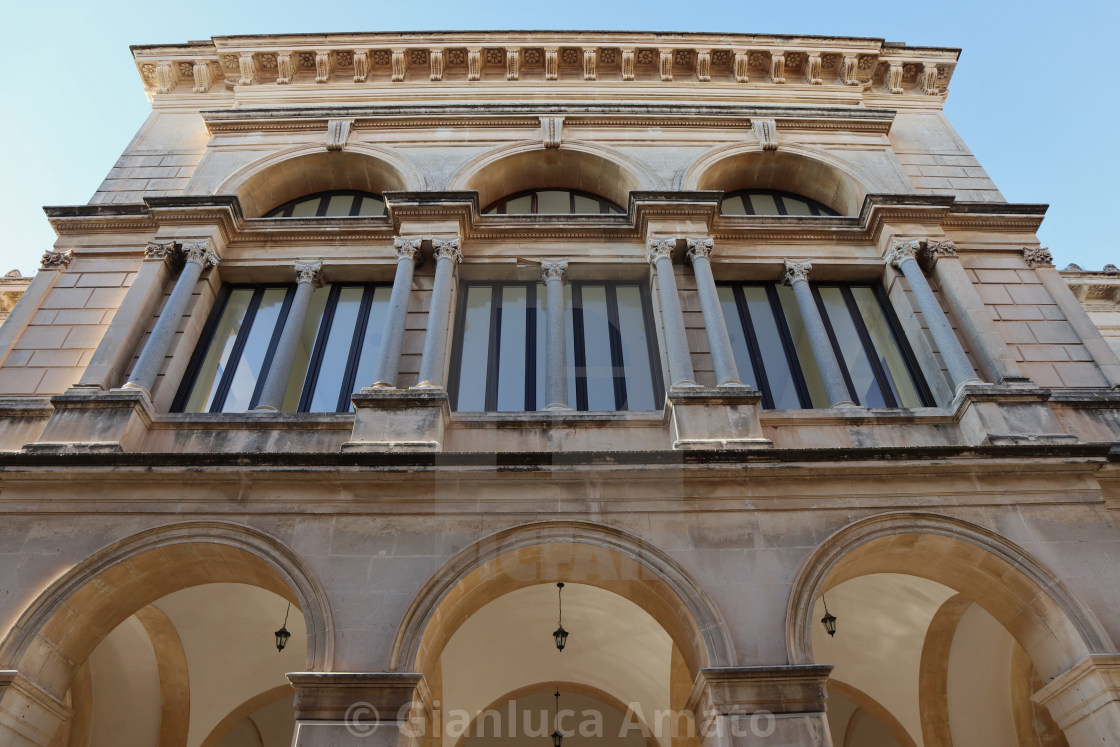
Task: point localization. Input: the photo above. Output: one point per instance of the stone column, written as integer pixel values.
(199, 256)
(719, 343)
(432, 362)
(903, 255)
(392, 336)
(309, 276)
(836, 389)
(377, 709)
(555, 335)
(54, 263)
(109, 361)
(676, 342)
(973, 317)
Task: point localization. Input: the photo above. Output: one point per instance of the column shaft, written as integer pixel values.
(672, 319)
(832, 376)
(952, 353)
(308, 277)
(392, 336)
(719, 343)
(432, 361)
(198, 258)
(556, 343)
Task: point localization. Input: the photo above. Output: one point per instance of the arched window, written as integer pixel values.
(553, 202)
(339, 203)
(771, 202)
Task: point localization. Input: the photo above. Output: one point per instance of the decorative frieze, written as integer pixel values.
(813, 69)
(435, 60)
(551, 63)
(590, 57)
(474, 64)
(513, 63)
(704, 65)
(400, 65)
(1039, 256)
(742, 64)
(665, 64)
(322, 66)
(777, 67)
(53, 260)
(628, 63)
(361, 65)
(247, 65)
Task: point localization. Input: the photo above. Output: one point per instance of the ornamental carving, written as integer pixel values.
(665, 64)
(660, 249)
(828, 61)
(553, 269)
(909, 71)
(418, 57)
(306, 60)
(813, 71)
(285, 70)
(927, 81)
(148, 71)
(759, 59)
(608, 56)
(628, 60)
(447, 249)
(645, 57)
(268, 61)
(310, 272)
(201, 72)
(338, 132)
(894, 78)
(777, 68)
(56, 260)
(474, 64)
(513, 64)
(742, 63)
(849, 71)
(166, 77)
(436, 65)
(589, 61)
(797, 270)
(794, 60)
(552, 129)
(248, 69)
(704, 66)
(381, 57)
(1039, 256)
(344, 59)
(901, 251)
(406, 247)
(866, 61)
(322, 67)
(230, 61)
(200, 253)
(682, 57)
(399, 65)
(700, 247)
(495, 56)
(161, 251)
(569, 56)
(186, 70)
(533, 56)
(767, 132)
(361, 66)
(551, 64)
(720, 58)
(456, 56)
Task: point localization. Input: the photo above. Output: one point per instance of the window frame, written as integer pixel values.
(817, 209)
(324, 201)
(606, 207)
(913, 369)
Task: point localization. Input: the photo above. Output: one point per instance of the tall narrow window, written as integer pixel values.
(498, 363)
(773, 353)
(337, 348)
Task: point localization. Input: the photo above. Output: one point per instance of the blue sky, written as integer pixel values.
(1034, 95)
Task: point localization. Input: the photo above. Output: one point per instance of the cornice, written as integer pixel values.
(995, 216)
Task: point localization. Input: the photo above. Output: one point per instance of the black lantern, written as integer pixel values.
(557, 737)
(283, 635)
(560, 636)
(829, 620)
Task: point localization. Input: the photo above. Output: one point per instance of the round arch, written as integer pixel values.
(63, 625)
(568, 551)
(524, 166)
(295, 172)
(1027, 599)
(793, 168)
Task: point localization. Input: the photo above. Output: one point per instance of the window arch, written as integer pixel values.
(553, 202)
(771, 202)
(337, 203)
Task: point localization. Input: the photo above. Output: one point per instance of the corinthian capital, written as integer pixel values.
(661, 248)
(797, 270)
(699, 247)
(161, 251)
(553, 269)
(200, 253)
(57, 260)
(901, 251)
(1037, 256)
(310, 272)
(447, 249)
(406, 246)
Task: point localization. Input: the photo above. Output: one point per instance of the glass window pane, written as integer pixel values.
(779, 375)
(371, 338)
(554, 202)
(306, 208)
(520, 206)
(475, 349)
(597, 348)
(511, 362)
(586, 204)
(338, 206)
(371, 206)
(542, 318)
(221, 344)
(795, 205)
(635, 350)
(764, 204)
(732, 206)
(336, 351)
(801, 344)
(250, 364)
(738, 338)
(305, 348)
(570, 339)
(898, 374)
(855, 357)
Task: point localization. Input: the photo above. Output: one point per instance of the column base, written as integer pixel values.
(86, 419)
(28, 715)
(991, 414)
(716, 418)
(402, 420)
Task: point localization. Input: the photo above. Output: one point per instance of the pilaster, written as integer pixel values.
(28, 714)
(1085, 700)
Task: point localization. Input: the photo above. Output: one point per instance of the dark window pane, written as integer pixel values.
(511, 362)
(635, 349)
(217, 354)
(371, 340)
(599, 368)
(251, 361)
(851, 347)
(336, 351)
(475, 349)
(804, 350)
(886, 347)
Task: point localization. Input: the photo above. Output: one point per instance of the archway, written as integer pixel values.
(88, 605)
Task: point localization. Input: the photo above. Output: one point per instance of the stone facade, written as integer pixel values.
(943, 480)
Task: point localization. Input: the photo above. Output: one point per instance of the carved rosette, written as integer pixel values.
(704, 65)
(742, 64)
(902, 251)
(56, 260)
(813, 69)
(927, 80)
(551, 63)
(406, 247)
(553, 269)
(361, 65)
(699, 247)
(894, 78)
(659, 249)
(797, 271)
(448, 249)
(400, 65)
(849, 70)
(513, 63)
(665, 64)
(590, 57)
(310, 272)
(200, 253)
(202, 80)
(436, 61)
(628, 64)
(1039, 256)
(777, 67)
(247, 65)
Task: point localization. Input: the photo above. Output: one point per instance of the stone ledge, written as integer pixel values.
(743, 690)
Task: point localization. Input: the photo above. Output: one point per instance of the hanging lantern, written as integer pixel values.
(557, 737)
(829, 619)
(560, 636)
(283, 635)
